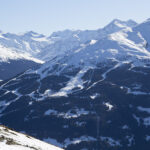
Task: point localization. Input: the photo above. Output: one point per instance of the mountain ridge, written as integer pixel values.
(13, 140)
(33, 48)
(93, 96)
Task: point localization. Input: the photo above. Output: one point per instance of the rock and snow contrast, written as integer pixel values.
(93, 91)
(26, 50)
(17, 52)
(12, 140)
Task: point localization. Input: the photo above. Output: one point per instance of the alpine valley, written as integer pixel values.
(79, 90)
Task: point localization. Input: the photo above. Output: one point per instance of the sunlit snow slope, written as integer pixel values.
(23, 51)
(11, 140)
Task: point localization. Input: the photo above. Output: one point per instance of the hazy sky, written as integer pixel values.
(46, 16)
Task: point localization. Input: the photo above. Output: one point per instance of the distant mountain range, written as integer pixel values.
(91, 92)
(19, 52)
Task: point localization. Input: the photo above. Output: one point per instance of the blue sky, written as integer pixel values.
(46, 16)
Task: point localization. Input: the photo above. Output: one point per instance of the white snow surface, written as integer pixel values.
(7, 54)
(112, 142)
(109, 106)
(21, 46)
(78, 140)
(74, 82)
(21, 141)
(45, 48)
(69, 141)
(94, 96)
(142, 109)
(76, 114)
(146, 121)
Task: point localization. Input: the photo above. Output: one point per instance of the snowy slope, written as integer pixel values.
(17, 53)
(7, 54)
(144, 30)
(13, 62)
(29, 42)
(39, 48)
(68, 40)
(21, 46)
(11, 140)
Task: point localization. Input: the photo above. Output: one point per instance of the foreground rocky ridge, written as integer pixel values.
(12, 140)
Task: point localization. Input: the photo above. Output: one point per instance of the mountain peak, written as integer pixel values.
(131, 23)
(147, 21)
(120, 23)
(63, 34)
(116, 20)
(33, 34)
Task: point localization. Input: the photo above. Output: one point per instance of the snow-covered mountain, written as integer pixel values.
(94, 95)
(31, 45)
(17, 53)
(64, 41)
(23, 51)
(27, 43)
(144, 29)
(12, 140)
